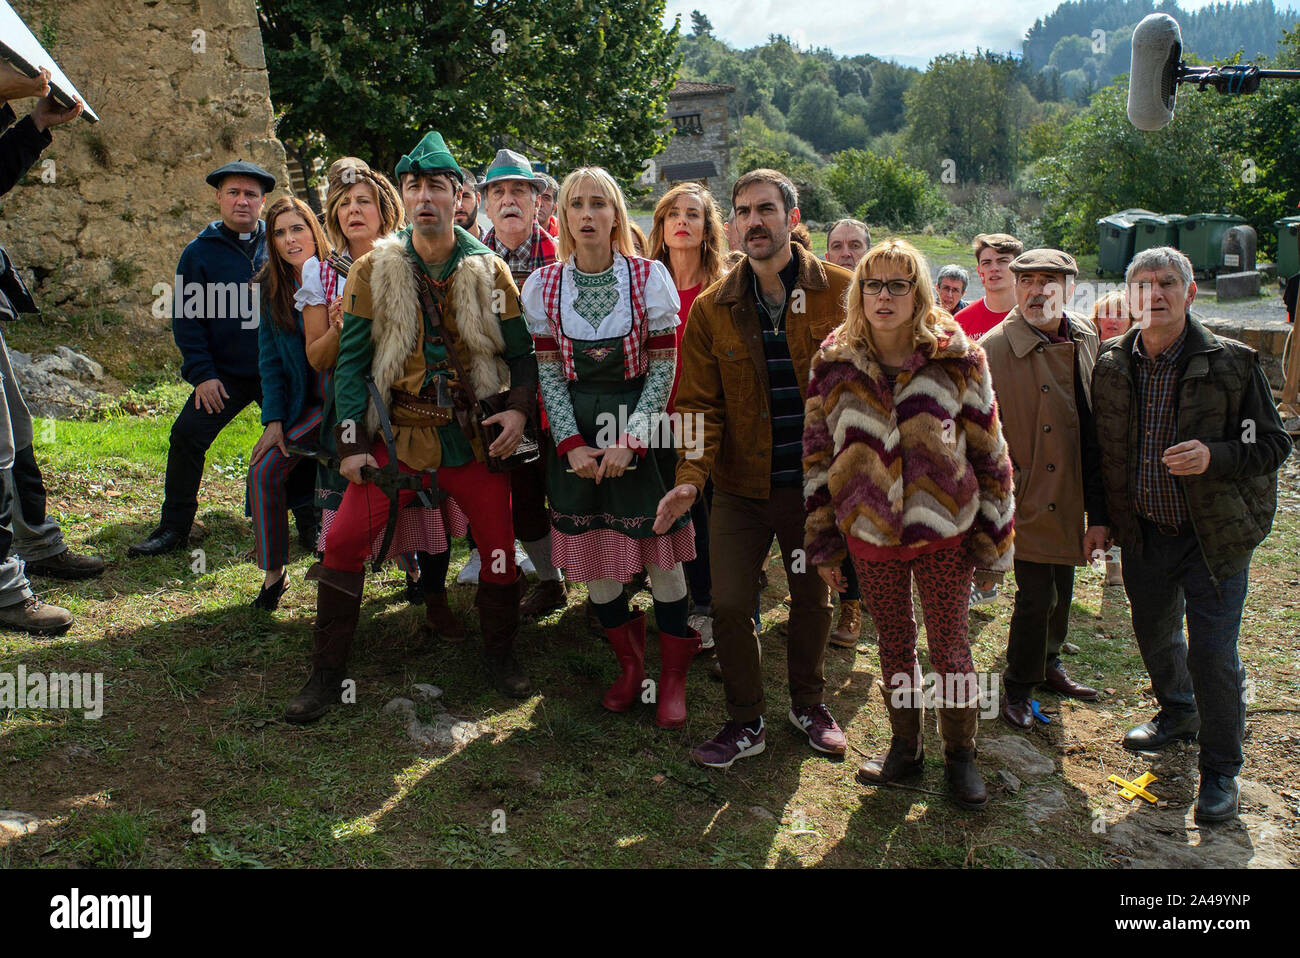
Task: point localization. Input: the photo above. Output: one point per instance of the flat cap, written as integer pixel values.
(242, 168)
(1045, 261)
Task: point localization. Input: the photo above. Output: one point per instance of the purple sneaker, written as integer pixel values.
(823, 733)
(733, 742)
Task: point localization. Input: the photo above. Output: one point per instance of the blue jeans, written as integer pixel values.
(1201, 675)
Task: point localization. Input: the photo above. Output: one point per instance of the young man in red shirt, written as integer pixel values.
(993, 255)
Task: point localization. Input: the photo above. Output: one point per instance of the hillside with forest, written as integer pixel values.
(1048, 151)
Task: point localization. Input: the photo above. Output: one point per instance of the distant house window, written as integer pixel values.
(688, 123)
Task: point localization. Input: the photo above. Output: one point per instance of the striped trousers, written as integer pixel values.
(267, 499)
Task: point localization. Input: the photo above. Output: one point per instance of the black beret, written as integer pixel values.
(242, 168)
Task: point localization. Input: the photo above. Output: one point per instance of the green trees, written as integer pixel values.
(884, 190)
(967, 115)
(484, 75)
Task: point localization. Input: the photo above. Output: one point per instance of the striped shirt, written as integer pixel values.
(1159, 494)
(785, 403)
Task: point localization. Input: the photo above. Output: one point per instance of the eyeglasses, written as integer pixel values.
(896, 287)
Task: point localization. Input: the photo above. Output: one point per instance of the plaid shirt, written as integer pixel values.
(532, 254)
(1159, 494)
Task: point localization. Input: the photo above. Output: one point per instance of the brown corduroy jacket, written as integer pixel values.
(724, 389)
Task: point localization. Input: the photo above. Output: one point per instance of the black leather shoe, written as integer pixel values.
(160, 541)
(268, 597)
(414, 591)
(1155, 735)
(1217, 799)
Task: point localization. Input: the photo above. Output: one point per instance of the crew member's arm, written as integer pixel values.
(22, 141)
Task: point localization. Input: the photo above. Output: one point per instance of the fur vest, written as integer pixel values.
(907, 469)
(397, 328)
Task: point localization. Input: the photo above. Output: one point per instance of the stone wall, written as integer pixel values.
(712, 144)
(127, 193)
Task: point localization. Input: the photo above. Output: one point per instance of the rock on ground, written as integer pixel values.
(445, 731)
(1150, 837)
(1025, 760)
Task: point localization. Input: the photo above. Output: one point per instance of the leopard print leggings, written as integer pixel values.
(943, 578)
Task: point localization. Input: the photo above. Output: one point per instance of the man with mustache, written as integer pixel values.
(511, 190)
(746, 356)
(467, 205)
(392, 341)
(1041, 360)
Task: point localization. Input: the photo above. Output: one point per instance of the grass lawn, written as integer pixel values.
(190, 766)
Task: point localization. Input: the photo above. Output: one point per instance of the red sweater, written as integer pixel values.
(687, 296)
(977, 319)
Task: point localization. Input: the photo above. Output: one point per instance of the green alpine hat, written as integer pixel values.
(429, 156)
(509, 165)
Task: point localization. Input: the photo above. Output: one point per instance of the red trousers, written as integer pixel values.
(485, 497)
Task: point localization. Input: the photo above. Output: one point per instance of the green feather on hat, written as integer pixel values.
(429, 156)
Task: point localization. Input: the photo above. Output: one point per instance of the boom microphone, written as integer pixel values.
(1153, 71)
(1157, 68)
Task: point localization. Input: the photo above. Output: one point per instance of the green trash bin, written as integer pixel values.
(1154, 230)
(1117, 235)
(1200, 237)
(1288, 258)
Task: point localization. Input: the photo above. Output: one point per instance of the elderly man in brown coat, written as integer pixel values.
(1041, 360)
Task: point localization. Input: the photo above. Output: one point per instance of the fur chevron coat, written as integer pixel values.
(908, 469)
(397, 329)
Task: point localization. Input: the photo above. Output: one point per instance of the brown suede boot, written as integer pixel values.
(440, 620)
(498, 613)
(957, 729)
(906, 755)
(547, 596)
(338, 606)
(845, 634)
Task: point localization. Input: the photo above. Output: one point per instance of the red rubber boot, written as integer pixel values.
(676, 653)
(628, 642)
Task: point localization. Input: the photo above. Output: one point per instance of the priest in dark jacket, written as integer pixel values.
(215, 310)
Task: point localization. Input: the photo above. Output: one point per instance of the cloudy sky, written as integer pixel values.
(909, 31)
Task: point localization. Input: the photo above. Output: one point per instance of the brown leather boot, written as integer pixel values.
(498, 613)
(338, 606)
(440, 620)
(845, 635)
(957, 729)
(906, 755)
(547, 596)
